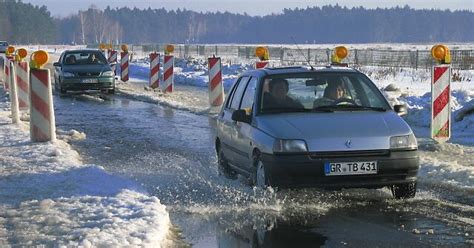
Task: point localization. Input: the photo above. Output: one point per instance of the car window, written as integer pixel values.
(84, 58)
(249, 95)
(237, 96)
(306, 91)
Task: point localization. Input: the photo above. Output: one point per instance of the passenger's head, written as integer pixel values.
(278, 88)
(334, 91)
(71, 59)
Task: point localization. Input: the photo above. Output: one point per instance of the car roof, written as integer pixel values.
(82, 50)
(298, 69)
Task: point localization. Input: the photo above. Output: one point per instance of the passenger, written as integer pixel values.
(71, 59)
(278, 98)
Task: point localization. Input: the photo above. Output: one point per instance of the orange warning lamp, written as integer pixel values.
(441, 54)
(262, 53)
(21, 53)
(124, 48)
(10, 50)
(340, 53)
(169, 49)
(39, 59)
(102, 46)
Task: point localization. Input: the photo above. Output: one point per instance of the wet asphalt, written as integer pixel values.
(171, 154)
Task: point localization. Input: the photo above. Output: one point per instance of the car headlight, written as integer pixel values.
(108, 74)
(403, 142)
(290, 146)
(68, 74)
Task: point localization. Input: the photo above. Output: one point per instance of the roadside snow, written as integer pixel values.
(49, 198)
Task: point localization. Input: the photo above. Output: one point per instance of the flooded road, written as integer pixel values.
(171, 154)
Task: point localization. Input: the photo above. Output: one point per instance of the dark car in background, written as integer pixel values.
(83, 70)
(3, 46)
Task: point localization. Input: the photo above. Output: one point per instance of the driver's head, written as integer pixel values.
(334, 91)
(91, 57)
(278, 88)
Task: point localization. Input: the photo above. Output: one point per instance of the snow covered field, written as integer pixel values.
(49, 198)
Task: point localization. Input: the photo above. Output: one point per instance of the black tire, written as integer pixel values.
(260, 177)
(404, 191)
(111, 92)
(223, 166)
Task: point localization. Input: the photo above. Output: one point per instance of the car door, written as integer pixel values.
(57, 69)
(242, 139)
(226, 124)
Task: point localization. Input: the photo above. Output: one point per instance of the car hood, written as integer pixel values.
(366, 130)
(86, 68)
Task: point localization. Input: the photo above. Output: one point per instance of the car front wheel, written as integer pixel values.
(260, 176)
(404, 191)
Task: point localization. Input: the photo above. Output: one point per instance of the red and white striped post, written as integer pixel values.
(124, 57)
(154, 70)
(216, 89)
(22, 80)
(14, 95)
(440, 103)
(6, 84)
(168, 75)
(113, 59)
(261, 64)
(42, 122)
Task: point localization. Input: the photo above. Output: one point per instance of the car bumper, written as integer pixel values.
(77, 84)
(297, 171)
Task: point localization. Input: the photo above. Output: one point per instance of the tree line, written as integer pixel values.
(25, 23)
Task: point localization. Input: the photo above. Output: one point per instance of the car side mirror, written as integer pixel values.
(401, 109)
(112, 63)
(241, 116)
(57, 64)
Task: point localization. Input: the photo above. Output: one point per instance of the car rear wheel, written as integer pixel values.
(223, 166)
(404, 191)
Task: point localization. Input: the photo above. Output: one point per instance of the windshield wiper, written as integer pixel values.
(356, 107)
(286, 110)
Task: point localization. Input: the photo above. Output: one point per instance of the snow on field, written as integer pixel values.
(49, 198)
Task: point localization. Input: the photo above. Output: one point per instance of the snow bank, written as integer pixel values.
(49, 198)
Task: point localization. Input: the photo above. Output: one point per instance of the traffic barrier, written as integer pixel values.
(42, 122)
(6, 84)
(154, 70)
(216, 89)
(22, 79)
(124, 56)
(440, 103)
(261, 64)
(14, 95)
(112, 58)
(168, 75)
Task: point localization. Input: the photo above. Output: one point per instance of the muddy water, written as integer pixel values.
(170, 153)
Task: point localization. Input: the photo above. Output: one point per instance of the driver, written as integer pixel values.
(332, 93)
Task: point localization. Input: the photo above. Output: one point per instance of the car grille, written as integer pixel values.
(343, 154)
(88, 74)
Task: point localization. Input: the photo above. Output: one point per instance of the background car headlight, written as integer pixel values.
(290, 146)
(403, 142)
(108, 74)
(68, 74)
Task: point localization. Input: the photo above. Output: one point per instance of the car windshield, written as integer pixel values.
(322, 92)
(3, 43)
(84, 58)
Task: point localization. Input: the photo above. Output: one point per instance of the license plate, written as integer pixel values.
(350, 168)
(90, 80)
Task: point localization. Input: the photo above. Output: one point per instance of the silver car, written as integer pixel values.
(326, 127)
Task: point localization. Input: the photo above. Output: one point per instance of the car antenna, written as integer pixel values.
(302, 53)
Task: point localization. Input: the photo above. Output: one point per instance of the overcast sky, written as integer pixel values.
(252, 7)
